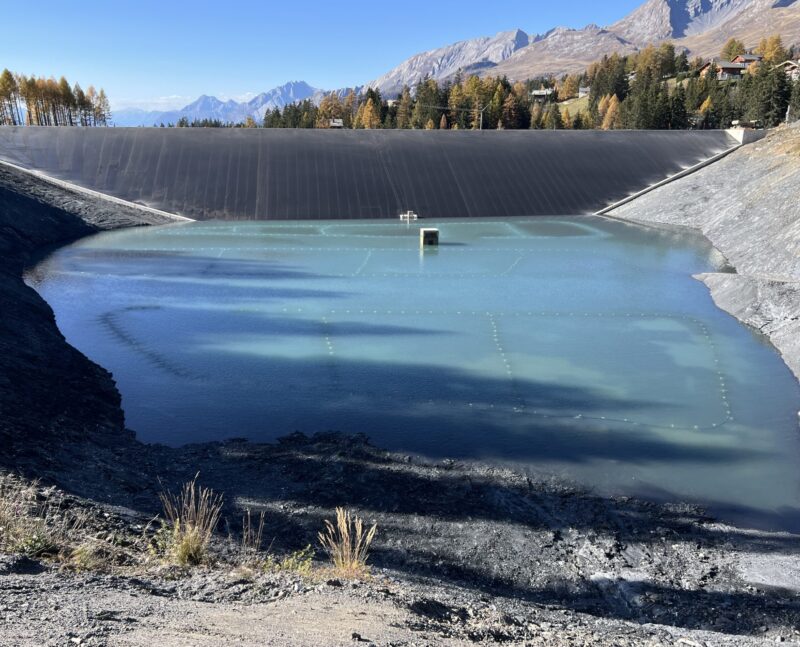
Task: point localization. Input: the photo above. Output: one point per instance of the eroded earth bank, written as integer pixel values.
(465, 553)
(748, 206)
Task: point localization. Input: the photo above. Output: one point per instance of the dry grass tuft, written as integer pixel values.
(193, 515)
(33, 525)
(87, 557)
(347, 543)
(252, 538)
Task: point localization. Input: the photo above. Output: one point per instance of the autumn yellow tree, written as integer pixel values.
(733, 48)
(370, 116)
(329, 108)
(611, 118)
(566, 118)
(510, 117)
(404, 108)
(772, 50)
(602, 106)
(707, 106)
(570, 87)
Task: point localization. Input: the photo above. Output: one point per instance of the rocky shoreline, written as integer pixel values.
(747, 206)
(466, 553)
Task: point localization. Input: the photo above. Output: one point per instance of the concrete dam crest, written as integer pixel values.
(266, 174)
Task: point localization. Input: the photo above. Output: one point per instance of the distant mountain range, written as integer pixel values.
(207, 107)
(699, 26)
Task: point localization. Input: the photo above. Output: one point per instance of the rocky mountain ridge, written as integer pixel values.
(700, 26)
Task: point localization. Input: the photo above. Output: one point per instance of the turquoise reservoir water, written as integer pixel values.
(580, 347)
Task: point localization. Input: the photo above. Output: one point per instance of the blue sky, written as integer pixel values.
(167, 54)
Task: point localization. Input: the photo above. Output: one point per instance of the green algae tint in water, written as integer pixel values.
(575, 346)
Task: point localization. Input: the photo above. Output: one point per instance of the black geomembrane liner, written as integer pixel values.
(265, 174)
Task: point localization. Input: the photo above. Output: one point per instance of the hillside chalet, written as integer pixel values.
(726, 71)
(747, 59)
(792, 69)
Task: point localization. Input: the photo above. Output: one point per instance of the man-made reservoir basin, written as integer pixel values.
(580, 347)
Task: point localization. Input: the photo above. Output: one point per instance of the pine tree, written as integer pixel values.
(536, 116)
(682, 63)
(443, 122)
(794, 104)
(666, 60)
(552, 118)
(765, 95)
(679, 118)
(779, 94)
(404, 108)
(273, 118)
(426, 107)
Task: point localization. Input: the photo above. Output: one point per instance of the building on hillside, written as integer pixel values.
(583, 92)
(545, 94)
(748, 59)
(726, 71)
(792, 69)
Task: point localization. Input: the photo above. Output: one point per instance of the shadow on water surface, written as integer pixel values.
(435, 410)
(170, 264)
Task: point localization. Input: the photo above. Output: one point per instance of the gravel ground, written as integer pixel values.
(465, 553)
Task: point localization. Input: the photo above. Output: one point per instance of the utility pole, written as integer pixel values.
(482, 111)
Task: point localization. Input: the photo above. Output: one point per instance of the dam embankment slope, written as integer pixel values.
(49, 392)
(266, 174)
(747, 206)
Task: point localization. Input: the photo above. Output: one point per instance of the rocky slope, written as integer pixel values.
(48, 390)
(746, 204)
(562, 51)
(658, 20)
(469, 56)
(758, 19)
